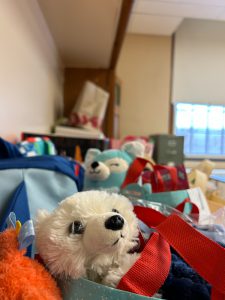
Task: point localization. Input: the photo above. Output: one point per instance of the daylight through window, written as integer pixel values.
(203, 127)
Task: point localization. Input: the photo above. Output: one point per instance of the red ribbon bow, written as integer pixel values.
(77, 119)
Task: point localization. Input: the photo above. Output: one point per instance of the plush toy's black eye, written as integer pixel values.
(115, 210)
(76, 227)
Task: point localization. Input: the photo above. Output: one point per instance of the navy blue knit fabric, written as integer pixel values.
(183, 283)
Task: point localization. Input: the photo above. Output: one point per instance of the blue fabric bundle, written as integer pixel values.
(184, 283)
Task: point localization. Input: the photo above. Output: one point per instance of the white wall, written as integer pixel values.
(144, 69)
(30, 74)
(199, 62)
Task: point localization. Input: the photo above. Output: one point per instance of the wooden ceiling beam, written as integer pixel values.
(121, 31)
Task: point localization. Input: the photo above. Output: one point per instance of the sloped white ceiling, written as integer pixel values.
(84, 30)
(162, 17)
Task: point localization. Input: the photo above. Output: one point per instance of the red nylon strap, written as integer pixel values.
(150, 271)
(202, 254)
(215, 295)
(194, 211)
(134, 171)
(158, 185)
(149, 216)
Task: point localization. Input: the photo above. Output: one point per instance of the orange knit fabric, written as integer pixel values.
(22, 278)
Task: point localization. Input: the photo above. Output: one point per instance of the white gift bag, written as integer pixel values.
(89, 110)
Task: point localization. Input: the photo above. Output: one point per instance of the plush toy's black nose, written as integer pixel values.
(94, 165)
(114, 223)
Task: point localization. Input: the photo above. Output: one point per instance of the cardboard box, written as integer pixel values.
(168, 149)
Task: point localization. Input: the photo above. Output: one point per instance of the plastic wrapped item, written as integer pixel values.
(214, 226)
(215, 232)
(166, 210)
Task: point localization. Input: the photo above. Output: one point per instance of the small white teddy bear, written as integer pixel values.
(89, 234)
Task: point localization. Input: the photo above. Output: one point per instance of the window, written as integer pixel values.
(203, 128)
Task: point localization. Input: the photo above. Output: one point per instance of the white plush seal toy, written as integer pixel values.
(89, 234)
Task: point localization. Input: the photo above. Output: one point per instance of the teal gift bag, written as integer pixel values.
(188, 201)
(83, 289)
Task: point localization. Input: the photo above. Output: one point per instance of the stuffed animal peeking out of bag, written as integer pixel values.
(107, 170)
(90, 234)
(94, 234)
(22, 278)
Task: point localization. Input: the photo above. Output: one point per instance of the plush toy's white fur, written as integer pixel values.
(98, 253)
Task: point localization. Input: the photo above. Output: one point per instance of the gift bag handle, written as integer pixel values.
(204, 255)
(135, 170)
(138, 166)
(152, 264)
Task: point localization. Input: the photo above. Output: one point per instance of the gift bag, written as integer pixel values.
(89, 110)
(83, 289)
(189, 201)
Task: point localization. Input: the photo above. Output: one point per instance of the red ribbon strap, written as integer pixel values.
(194, 209)
(157, 177)
(150, 271)
(134, 171)
(204, 255)
(149, 216)
(215, 295)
